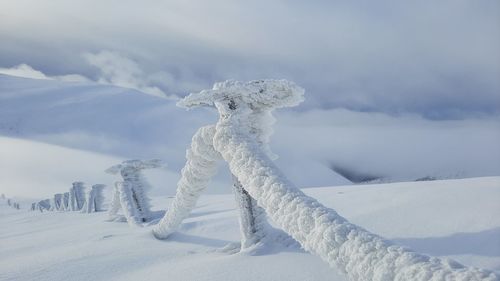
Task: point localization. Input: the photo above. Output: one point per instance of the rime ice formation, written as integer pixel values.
(58, 206)
(200, 167)
(358, 253)
(261, 97)
(77, 196)
(95, 199)
(43, 205)
(65, 202)
(130, 195)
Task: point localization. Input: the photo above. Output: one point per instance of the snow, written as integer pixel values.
(121, 124)
(133, 190)
(32, 109)
(353, 250)
(200, 167)
(421, 215)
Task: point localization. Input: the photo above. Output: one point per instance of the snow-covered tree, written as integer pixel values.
(95, 199)
(58, 202)
(130, 195)
(361, 255)
(43, 205)
(33, 206)
(2, 196)
(9, 202)
(77, 196)
(257, 122)
(200, 167)
(65, 201)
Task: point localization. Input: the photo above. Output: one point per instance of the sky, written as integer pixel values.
(436, 59)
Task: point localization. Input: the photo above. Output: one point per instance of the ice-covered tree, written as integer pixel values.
(130, 195)
(65, 201)
(77, 196)
(257, 121)
(95, 199)
(58, 202)
(43, 205)
(361, 255)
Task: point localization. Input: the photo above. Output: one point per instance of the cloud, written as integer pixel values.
(438, 60)
(121, 71)
(114, 69)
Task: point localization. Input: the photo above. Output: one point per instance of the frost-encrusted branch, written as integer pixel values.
(240, 138)
(200, 167)
(320, 230)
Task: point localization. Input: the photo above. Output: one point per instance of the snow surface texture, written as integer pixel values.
(440, 218)
(320, 230)
(131, 194)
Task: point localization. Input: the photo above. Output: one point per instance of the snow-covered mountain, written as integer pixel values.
(53, 133)
(316, 147)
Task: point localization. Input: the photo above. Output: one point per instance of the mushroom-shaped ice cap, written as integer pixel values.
(135, 164)
(258, 94)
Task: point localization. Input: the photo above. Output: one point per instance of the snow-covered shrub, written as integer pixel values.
(130, 195)
(361, 255)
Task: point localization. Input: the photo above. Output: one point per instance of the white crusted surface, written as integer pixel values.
(200, 167)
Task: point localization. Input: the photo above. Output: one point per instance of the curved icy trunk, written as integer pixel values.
(320, 230)
(200, 167)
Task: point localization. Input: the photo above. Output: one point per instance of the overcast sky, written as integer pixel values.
(438, 59)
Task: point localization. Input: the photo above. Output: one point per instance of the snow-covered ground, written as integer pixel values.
(451, 218)
(53, 133)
